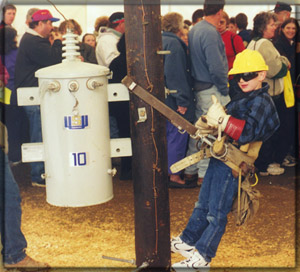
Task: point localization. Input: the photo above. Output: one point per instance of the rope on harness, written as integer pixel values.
(239, 193)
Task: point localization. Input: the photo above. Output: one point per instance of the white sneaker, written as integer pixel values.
(194, 263)
(274, 165)
(289, 161)
(178, 246)
(275, 170)
(264, 173)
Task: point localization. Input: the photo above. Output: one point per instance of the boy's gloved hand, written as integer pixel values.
(216, 114)
(204, 128)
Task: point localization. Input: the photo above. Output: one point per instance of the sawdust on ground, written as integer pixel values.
(79, 237)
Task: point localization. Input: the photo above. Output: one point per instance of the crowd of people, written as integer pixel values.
(203, 51)
(211, 55)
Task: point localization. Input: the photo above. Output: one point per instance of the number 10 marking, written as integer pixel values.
(78, 159)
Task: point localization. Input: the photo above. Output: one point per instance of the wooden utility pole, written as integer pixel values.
(151, 198)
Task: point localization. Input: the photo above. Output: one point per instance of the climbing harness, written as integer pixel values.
(240, 160)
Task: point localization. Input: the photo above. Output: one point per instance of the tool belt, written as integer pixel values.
(229, 154)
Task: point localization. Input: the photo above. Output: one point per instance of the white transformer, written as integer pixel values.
(76, 148)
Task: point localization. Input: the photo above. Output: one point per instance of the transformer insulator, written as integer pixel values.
(70, 48)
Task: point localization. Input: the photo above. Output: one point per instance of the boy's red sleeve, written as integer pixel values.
(234, 127)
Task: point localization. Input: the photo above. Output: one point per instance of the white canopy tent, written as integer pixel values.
(86, 14)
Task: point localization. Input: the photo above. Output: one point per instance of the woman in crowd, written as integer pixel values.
(285, 43)
(177, 77)
(89, 39)
(233, 42)
(100, 21)
(232, 25)
(53, 34)
(274, 150)
(87, 52)
(184, 34)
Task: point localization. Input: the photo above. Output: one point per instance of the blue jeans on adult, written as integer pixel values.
(113, 127)
(203, 102)
(208, 221)
(13, 240)
(34, 116)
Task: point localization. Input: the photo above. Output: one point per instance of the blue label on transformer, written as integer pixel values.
(76, 122)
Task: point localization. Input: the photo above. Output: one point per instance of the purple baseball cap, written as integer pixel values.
(42, 15)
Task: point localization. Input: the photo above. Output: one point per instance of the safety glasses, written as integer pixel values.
(245, 76)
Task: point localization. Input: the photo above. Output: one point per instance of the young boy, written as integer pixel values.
(251, 116)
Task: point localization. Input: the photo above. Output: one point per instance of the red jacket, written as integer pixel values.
(229, 38)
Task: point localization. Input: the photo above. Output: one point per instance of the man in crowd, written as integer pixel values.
(197, 16)
(9, 14)
(35, 52)
(209, 70)
(241, 21)
(283, 11)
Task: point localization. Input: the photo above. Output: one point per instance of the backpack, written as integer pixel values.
(246, 204)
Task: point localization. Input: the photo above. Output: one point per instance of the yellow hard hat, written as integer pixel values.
(248, 61)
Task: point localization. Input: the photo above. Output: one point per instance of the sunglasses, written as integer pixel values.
(245, 76)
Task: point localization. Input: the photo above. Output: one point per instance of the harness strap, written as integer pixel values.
(190, 160)
(233, 157)
(176, 119)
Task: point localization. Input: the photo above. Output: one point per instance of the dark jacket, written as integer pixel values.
(177, 75)
(246, 35)
(285, 48)
(88, 53)
(118, 66)
(120, 110)
(35, 53)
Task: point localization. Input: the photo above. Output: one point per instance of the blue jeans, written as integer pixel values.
(113, 127)
(13, 240)
(208, 221)
(203, 102)
(35, 132)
